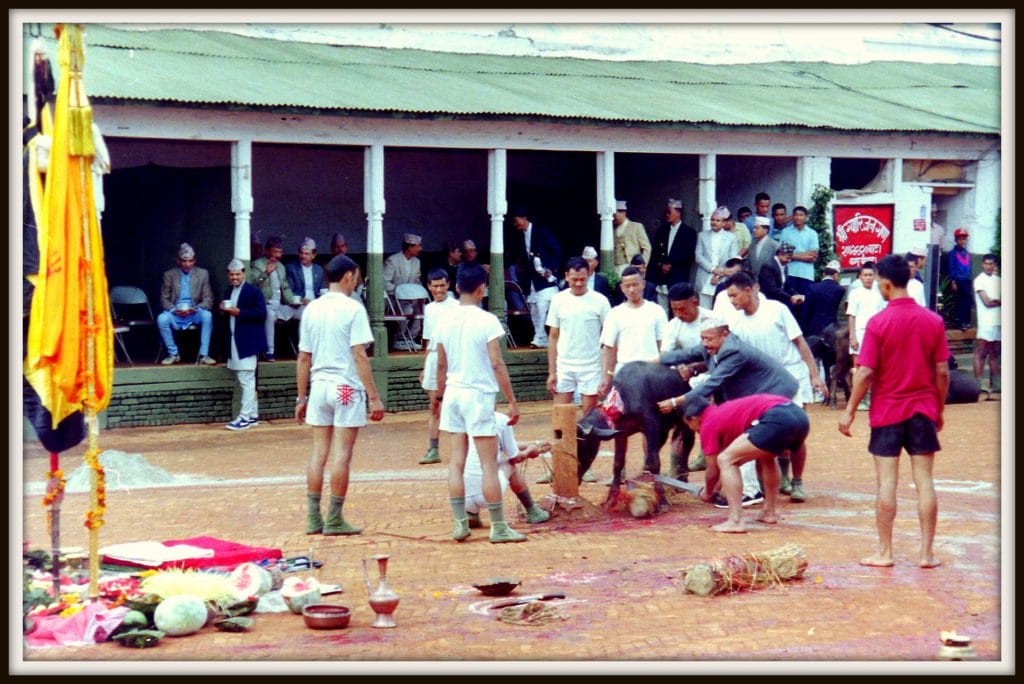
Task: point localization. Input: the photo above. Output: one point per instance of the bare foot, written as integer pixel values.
(729, 526)
(930, 562)
(877, 561)
(767, 518)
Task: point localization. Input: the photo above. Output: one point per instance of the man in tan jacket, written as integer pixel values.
(630, 238)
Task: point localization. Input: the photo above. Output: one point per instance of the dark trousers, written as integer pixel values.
(964, 299)
(801, 312)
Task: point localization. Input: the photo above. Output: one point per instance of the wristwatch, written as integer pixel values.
(301, 400)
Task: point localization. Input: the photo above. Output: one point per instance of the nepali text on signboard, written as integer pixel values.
(863, 233)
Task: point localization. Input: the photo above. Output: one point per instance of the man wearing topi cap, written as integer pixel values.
(959, 269)
(675, 245)
(306, 277)
(187, 298)
(762, 249)
(595, 281)
(630, 238)
(400, 268)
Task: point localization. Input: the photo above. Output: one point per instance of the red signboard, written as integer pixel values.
(863, 233)
(920, 225)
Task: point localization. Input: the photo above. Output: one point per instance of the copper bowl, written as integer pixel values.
(498, 586)
(326, 616)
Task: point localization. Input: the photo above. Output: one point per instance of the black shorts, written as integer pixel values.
(781, 427)
(916, 434)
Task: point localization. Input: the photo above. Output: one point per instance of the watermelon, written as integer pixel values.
(250, 579)
(180, 615)
(299, 593)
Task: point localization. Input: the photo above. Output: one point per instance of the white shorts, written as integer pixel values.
(468, 411)
(331, 404)
(989, 333)
(586, 381)
(475, 501)
(430, 372)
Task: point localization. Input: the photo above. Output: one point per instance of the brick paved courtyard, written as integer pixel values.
(621, 576)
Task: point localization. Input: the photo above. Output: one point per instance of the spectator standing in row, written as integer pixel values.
(909, 382)
(805, 254)
(596, 282)
(774, 279)
(762, 249)
(245, 305)
(470, 255)
(268, 274)
(305, 277)
(987, 343)
(959, 269)
(187, 299)
(742, 233)
(780, 220)
(400, 268)
(335, 384)
(537, 257)
(714, 248)
(630, 238)
(675, 244)
(434, 315)
(762, 209)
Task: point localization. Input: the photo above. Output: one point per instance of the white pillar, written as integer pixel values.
(497, 207)
(373, 205)
(706, 189)
(811, 171)
(606, 206)
(241, 195)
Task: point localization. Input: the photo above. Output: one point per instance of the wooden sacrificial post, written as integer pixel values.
(565, 465)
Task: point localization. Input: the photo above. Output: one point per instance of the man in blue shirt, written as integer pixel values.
(780, 219)
(800, 271)
(959, 268)
(187, 298)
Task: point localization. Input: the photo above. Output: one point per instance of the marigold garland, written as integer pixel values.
(55, 493)
(94, 516)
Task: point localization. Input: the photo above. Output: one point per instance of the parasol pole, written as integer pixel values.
(78, 146)
(55, 489)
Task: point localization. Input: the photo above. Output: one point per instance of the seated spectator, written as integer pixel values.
(268, 274)
(305, 277)
(470, 255)
(453, 258)
(187, 299)
(400, 268)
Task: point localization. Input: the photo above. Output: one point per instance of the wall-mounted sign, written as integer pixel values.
(862, 233)
(920, 225)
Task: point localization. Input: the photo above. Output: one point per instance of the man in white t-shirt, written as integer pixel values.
(633, 330)
(768, 325)
(861, 304)
(915, 288)
(433, 319)
(509, 455)
(987, 342)
(334, 368)
(575, 318)
(470, 371)
(683, 332)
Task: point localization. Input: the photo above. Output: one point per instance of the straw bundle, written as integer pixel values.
(748, 571)
(531, 614)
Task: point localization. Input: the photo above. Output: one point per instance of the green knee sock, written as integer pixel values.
(496, 512)
(433, 443)
(525, 498)
(784, 465)
(312, 503)
(458, 504)
(334, 507)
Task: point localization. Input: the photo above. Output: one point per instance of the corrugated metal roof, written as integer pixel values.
(218, 68)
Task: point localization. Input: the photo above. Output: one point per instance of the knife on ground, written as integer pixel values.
(528, 599)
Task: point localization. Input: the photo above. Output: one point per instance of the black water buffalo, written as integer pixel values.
(641, 385)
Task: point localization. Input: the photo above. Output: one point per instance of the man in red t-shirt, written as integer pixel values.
(735, 432)
(903, 360)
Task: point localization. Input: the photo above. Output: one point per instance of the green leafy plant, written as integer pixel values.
(818, 219)
(613, 278)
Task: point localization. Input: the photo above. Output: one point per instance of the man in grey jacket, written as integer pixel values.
(762, 249)
(737, 370)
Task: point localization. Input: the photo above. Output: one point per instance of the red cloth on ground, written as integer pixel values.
(226, 554)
